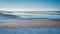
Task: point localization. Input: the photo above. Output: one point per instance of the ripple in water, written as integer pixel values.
(40, 30)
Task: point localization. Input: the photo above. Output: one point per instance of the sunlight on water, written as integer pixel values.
(26, 17)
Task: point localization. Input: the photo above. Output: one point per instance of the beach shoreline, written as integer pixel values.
(29, 24)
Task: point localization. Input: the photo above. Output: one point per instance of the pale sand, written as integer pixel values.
(51, 13)
(29, 24)
(39, 12)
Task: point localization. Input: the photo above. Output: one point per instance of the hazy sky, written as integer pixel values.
(34, 5)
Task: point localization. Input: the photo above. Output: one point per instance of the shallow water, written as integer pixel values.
(29, 30)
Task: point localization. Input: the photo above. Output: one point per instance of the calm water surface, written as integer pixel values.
(29, 30)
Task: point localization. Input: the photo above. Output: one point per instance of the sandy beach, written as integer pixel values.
(29, 24)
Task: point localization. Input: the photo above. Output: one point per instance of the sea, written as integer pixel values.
(15, 17)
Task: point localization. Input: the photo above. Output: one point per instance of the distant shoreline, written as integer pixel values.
(34, 12)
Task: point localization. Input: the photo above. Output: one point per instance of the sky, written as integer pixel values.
(30, 5)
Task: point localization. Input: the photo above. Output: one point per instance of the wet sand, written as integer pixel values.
(29, 24)
(51, 13)
(34, 12)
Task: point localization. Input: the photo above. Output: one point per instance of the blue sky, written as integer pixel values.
(34, 5)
